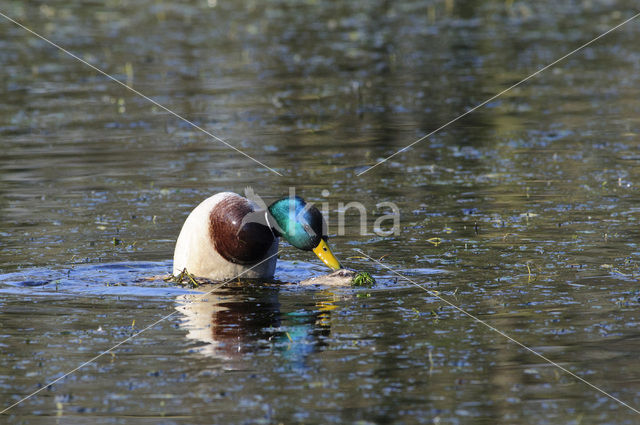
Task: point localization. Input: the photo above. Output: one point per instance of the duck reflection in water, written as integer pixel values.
(242, 319)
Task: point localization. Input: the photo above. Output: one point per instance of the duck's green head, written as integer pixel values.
(302, 225)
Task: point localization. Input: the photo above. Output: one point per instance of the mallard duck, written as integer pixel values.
(228, 234)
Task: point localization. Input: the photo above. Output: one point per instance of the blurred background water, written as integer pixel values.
(534, 199)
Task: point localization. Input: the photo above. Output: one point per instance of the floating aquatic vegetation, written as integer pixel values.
(363, 279)
(184, 278)
(337, 278)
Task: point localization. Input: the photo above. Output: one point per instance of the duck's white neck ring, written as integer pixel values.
(266, 218)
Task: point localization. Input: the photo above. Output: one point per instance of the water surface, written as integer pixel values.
(534, 199)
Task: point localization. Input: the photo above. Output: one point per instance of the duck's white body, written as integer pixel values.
(196, 250)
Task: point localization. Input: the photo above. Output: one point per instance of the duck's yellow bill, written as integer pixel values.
(324, 253)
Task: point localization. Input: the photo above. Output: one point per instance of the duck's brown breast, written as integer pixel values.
(239, 232)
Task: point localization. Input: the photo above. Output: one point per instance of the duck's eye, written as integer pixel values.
(324, 248)
(308, 229)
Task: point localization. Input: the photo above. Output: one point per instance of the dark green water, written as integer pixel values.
(535, 198)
